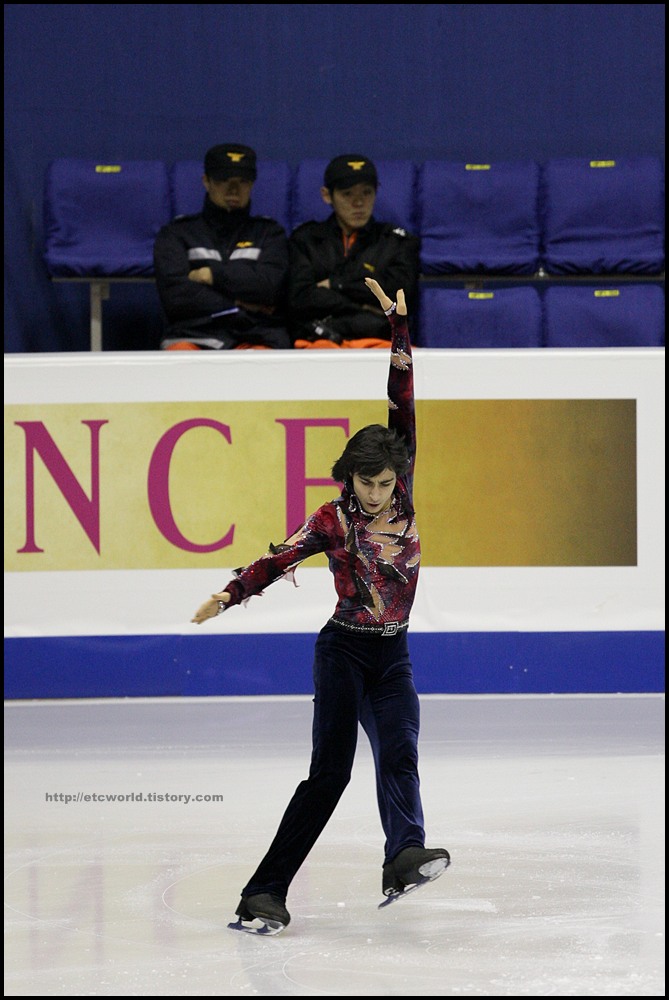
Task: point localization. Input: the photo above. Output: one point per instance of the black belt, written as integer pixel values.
(388, 628)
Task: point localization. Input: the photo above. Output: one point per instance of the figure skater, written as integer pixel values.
(362, 668)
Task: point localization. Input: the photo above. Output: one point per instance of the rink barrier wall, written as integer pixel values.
(280, 664)
(102, 572)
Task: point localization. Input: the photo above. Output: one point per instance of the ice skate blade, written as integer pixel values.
(400, 894)
(257, 926)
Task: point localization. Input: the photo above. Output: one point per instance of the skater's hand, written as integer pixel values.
(210, 608)
(385, 301)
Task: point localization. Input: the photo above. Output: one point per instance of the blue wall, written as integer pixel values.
(279, 664)
(423, 81)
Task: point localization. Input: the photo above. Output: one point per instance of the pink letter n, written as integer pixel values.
(85, 509)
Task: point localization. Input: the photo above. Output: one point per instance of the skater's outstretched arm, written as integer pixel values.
(280, 562)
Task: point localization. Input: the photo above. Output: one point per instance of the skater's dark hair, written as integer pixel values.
(369, 452)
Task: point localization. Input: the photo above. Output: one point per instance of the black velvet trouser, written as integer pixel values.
(357, 679)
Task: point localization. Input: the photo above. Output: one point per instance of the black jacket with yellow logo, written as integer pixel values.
(347, 309)
(248, 257)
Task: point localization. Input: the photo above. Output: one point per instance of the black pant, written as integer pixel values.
(357, 679)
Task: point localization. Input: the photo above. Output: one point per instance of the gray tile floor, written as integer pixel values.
(552, 809)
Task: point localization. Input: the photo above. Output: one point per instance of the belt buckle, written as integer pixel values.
(390, 628)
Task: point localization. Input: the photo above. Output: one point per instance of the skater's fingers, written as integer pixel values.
(384, 300)
(207, 610)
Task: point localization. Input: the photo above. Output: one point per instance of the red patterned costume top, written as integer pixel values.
(374, 558)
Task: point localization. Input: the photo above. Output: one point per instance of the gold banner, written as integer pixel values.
(192, 485)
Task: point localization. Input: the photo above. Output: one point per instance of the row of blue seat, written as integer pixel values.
(626, 315)
(565, 216)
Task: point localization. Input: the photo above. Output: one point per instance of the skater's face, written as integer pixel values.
(375, 492)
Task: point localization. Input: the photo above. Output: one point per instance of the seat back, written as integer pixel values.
(603, 216)
(271, 193)
(102, 219)
(395, 197)
(479, 217)
(456, 317)
(626, 315)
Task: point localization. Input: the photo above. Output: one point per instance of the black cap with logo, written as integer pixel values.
(230, 159)
(345, 171)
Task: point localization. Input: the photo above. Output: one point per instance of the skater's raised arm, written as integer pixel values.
(401, 404)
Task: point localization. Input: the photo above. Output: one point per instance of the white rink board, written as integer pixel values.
(449, 599)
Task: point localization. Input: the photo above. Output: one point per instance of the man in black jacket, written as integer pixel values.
(327, 295)
(221, 273)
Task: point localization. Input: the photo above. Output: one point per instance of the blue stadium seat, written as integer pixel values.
(456, 317)
(479, 217)
(395, 198)
(603, 216)
(307, 201)
(271, 193)
(628, 315)
(101, 219)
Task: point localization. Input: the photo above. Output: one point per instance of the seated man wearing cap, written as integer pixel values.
(329, 301)
(221, 273)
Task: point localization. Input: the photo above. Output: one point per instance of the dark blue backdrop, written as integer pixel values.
(420, 81)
